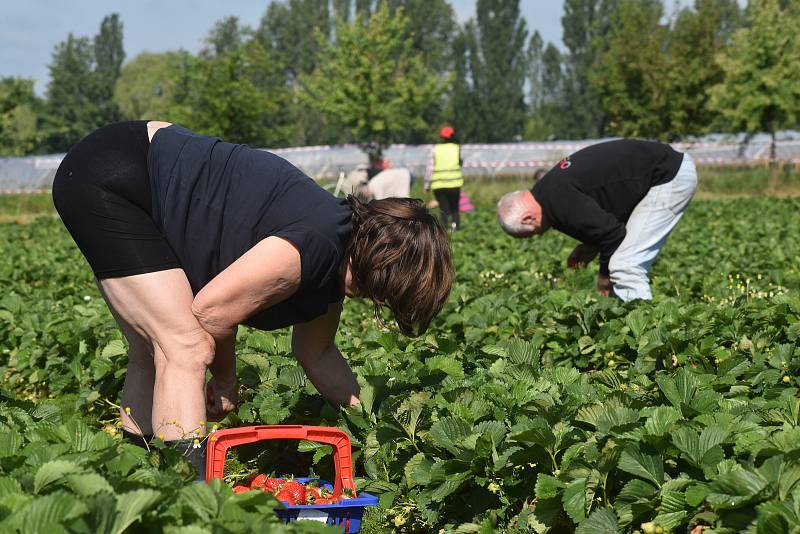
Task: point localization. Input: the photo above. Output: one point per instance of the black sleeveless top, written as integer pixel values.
(215, 200)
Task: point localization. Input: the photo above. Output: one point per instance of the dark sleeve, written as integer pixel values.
(318, 256)
(579, 216)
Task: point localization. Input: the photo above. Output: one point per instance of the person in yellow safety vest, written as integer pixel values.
(446, 178)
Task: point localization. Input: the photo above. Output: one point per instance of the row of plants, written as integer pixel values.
(531, 405)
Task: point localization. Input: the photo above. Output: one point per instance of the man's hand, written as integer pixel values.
(221, 397)
(581, 256)
(604, 285)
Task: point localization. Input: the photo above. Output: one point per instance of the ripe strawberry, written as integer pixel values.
(324, 500)
(348, 493)
(240, 489)
(267, 484)
(273, 484)
(313, 494)
(296, 490)
(286, 496)
(258, 482)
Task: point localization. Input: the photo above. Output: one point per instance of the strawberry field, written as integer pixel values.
(531, 405)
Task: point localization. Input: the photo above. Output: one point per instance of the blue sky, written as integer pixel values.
(30, 29)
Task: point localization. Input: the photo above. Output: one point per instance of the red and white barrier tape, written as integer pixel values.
(318, 148)
(496, 164)
(528, 146)
(703, 160)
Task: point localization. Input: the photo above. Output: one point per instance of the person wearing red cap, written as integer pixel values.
(444, 177)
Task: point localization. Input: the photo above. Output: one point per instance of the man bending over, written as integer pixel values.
(620, 199)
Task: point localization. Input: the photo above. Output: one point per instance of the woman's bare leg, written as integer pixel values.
(140, 378)
(137, 392)
(157, 308)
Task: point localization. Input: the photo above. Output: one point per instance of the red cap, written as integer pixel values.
(446, 132)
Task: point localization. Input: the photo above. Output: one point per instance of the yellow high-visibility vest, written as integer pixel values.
(446, 166)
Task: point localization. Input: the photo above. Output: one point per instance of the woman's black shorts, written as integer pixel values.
(102, 192)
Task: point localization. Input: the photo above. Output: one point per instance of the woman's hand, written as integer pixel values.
(222, 395)
(221, 390)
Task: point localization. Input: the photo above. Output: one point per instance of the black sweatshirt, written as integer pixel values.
(590, 194)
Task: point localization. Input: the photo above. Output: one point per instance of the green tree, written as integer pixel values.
(698, 36)
(631, 74)
(431, 27)
(492, 73)
(80, 93)
(239, 96)
(70, 110)
(538, 91)
(18, 117)
(371, 81)
(289, 31)
(760, 91)
(464, 104)
(227, 35)
(108, 57)
(364, 8)
(502, 37)
(148, 85)
(342, 9)
(586, 25)
(546, 85)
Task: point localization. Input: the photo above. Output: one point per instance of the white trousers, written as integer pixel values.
(647, 230)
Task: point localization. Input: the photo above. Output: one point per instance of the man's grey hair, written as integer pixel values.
(510, 210)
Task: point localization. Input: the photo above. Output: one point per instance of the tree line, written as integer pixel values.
(375, 72)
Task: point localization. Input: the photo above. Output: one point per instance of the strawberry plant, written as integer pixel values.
(531, 405)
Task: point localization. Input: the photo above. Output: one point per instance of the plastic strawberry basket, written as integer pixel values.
(347, 514)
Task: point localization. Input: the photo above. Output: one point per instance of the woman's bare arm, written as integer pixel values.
(313, 344)
(263, 276)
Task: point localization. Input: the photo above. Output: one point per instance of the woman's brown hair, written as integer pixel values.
(400, 256)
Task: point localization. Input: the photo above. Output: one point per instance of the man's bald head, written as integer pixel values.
(519, 214)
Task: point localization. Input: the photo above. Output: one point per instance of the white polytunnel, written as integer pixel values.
(35, 173)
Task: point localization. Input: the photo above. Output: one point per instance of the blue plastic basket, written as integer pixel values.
(347, 514)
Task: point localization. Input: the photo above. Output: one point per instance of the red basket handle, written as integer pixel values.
(220, 441)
